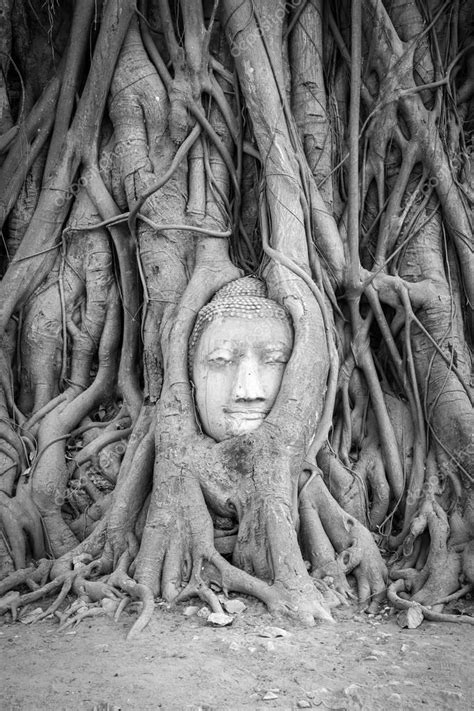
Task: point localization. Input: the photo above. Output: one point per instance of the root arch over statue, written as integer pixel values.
(151, 157)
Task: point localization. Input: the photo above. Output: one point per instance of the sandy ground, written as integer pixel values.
(182, 662)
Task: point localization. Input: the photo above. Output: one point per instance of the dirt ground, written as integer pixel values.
(182, 662)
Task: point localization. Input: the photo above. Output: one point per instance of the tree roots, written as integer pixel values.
(156, 167)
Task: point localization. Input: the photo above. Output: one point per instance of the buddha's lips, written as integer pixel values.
(248, 414)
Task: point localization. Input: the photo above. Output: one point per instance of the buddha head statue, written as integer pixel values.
(238, 351)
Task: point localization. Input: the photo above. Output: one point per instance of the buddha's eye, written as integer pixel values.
(276, 359)
(220, 361)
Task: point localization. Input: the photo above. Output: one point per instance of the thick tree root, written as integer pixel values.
(145, 595)
(337, 544)
(13, 601)
(21, 522)
(78, 612)
(33, 575)
(456, 595)
(438, 566)
(52, 609)
(428, 614)
(72, 579)
(138, 591)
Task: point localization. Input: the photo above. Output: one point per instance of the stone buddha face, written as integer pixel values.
(239, 349)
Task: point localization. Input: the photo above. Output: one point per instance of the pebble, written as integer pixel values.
(395, 698)
(270, 696)
(191, 610)
(220, 619)
(303, 704)
(234, 607)
(411, 618)
(31, 616)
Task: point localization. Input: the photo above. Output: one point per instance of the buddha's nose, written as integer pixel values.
(248, 384)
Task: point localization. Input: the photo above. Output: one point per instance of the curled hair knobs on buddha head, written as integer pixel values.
(242, 298)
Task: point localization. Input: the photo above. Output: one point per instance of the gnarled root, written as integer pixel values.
(13, 600)
(177, 558)
(32, 576)
(267, 547)
(21, 523)
(437, 576)
(120, 579)
(348, 490)
(337, 544)
(429, 614)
